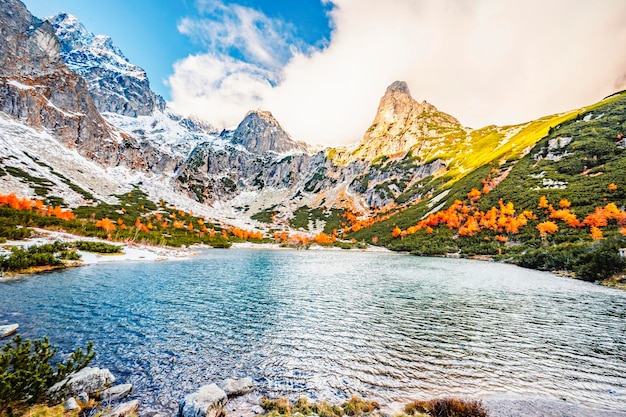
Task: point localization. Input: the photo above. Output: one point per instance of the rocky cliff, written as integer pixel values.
(402, 123)
(260, 132)
(116, 85)
(37, 88)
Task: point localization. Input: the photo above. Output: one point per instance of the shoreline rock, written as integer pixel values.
(8, 329)
(115, 393)
(237, 387)
(124, 409)
(89, 380)
(208, 401)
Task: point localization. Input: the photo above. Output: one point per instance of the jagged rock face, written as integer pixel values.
(116, 85)
(401, 123)
(259, 132)
(211, 174)
(38, 88)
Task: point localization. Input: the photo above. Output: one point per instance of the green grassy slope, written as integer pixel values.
(576, 159)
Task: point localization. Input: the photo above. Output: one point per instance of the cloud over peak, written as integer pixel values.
(484, 62)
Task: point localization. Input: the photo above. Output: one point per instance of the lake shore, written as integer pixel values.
(139, 252)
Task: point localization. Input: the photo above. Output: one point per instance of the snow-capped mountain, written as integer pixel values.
(83, 92)
(116, 85)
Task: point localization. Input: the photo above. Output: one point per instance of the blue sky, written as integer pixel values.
(321, 66)
(147, 30)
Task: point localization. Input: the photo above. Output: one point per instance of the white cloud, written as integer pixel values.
(241, 31)
(484, 62)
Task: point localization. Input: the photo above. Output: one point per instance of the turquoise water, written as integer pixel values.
(332, 324)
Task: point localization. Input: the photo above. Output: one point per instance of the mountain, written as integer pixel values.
(38, 88)
(80, 125)
(402, 123)
(260, 132)
(115, 84)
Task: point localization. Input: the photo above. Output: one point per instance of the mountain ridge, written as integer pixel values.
(115, 84)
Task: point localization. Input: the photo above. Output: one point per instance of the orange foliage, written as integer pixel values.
(612, 187)
(547, 227)
(543, 202)
(597, 219)
(474, 195)
(468, 221)
(17, 203)
(323, 238)
(596, 233)
(106, 224)
(564, 203)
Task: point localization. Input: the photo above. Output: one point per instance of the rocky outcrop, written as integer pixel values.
(115, 84)
(37, 88)
(259, 132)
(89, 380)
(208, 401)
(236, 387)
(402, 123)
(212, 174)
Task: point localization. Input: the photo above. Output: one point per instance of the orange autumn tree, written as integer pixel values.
(547, 227)
(467, 220)
(106, 224)
(26, 204)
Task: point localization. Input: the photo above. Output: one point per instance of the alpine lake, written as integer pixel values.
(331, 324)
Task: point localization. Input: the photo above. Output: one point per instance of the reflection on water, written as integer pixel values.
(332, 324)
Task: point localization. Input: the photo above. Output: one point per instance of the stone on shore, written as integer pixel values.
(8, 330)
(236, 387)
(124, 409)
(208, 401)
(115, 393)
(71, 404)
(89, 380)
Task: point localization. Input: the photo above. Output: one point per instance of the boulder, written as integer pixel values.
(208, 401)
(89, 380)
(83, 397)
(124, 409)
(8, 329)
(116, 392)
(71, 404)
(236, 387)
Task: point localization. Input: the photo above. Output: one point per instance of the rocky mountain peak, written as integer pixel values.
(116, 84)
(401, 122)
(260, 132)
(38, 88)
(398, 87)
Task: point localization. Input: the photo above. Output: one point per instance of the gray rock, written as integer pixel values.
(235, 387)
(71, 404)
(83, 397)
(8, 330)
(260, 132)
(208, 401)
(116, 392)
(115, 84)
(124, 409)
(89, 380)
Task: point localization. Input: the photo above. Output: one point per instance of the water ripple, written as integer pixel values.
(329, 325)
